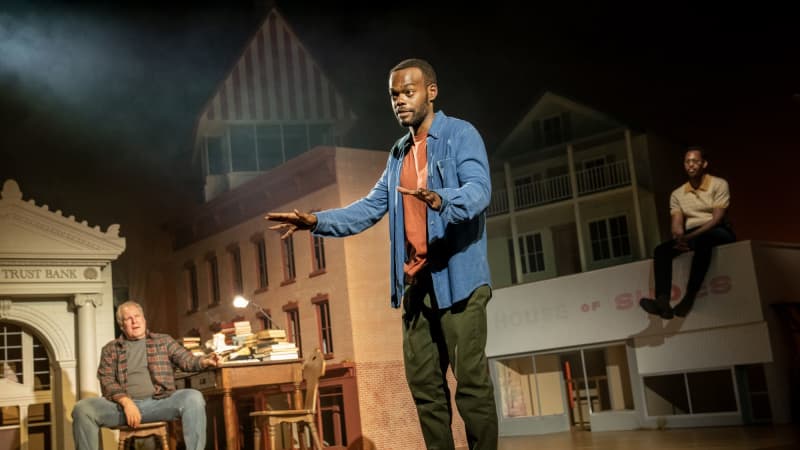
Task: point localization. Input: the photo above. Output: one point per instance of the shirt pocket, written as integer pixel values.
(448, 175)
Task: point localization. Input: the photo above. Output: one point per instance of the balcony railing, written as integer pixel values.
(556, 189)
(499, 204)
(540, 192)
(603, 177)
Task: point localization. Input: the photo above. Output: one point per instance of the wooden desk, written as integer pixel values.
(224, 380)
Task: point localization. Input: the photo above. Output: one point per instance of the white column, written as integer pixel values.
(512, 218)
(637, 209)
(23, 427)
(576, 207)
(87, 344)
(65, 385)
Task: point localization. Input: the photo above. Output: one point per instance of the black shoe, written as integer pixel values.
(683, 308)
(649, 305)
(659, 307)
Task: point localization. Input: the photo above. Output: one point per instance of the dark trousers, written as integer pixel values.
(702, 246)
(434, 339)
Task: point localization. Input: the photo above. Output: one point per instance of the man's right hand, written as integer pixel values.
(681, 244)
(132, 413)
(292, 222)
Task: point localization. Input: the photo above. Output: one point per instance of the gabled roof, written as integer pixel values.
(276, 79)
(547, 100)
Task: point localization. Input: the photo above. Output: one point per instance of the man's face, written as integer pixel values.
(134, 324)
(694, 164)
(411, 97)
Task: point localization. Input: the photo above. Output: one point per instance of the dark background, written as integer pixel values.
(98, 101)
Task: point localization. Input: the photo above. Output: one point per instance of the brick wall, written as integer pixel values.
(388, 416)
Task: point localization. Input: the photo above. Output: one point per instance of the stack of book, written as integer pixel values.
(240, 354)
(271, 345)
(244, 342)
(229, 330)
(243, 334)
(192, 344)
(236, 342)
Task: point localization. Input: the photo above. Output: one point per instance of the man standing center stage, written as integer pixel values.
(436, 189)
(138, 384)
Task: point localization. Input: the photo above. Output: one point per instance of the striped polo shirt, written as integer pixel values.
(697, 205)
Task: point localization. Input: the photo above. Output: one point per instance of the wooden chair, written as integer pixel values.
(158, 429)
(313, 370)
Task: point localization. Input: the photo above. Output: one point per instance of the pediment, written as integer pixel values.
(31, 231)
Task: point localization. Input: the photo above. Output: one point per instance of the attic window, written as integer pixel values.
(216, 157)
(552, 130)
(243, 148)
(251, 148)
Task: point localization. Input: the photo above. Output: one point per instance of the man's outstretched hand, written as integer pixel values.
(431, 198)
(291, 222)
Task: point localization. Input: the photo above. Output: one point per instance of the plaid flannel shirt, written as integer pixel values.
(163, 354)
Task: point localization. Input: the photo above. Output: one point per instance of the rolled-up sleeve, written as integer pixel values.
(472, 194)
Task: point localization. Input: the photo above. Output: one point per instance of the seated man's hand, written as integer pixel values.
(132, 413)
(212, 360)
(292, 222)
(682, 245)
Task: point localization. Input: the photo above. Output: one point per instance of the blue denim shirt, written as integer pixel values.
(458, 170)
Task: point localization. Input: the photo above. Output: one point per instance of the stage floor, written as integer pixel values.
(784, 437)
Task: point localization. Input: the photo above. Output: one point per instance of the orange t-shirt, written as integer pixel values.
(414, 175)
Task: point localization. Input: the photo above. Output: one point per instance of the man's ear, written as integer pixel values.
(705, 164)
(433, 91)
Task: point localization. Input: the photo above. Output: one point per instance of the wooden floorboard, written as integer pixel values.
(784, 437)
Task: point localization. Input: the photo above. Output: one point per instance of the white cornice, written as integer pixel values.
(29, 231)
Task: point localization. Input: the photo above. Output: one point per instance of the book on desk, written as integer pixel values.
(244, 345)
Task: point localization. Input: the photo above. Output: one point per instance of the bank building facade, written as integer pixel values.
(56, 312)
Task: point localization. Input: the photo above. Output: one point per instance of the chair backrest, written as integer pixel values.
(313, 369)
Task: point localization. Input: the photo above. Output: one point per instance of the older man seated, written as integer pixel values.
(136, 377)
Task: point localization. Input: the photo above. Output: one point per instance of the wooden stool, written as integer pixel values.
(158, 429)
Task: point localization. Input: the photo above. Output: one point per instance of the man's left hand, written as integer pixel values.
(212, 360)
(431, 198)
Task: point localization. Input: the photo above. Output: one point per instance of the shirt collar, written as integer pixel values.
(705, 185)
(434, 131)
(121, 339)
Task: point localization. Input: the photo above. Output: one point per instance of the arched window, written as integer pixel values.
(25, 389)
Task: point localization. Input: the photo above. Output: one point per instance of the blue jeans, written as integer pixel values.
(90, 414)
